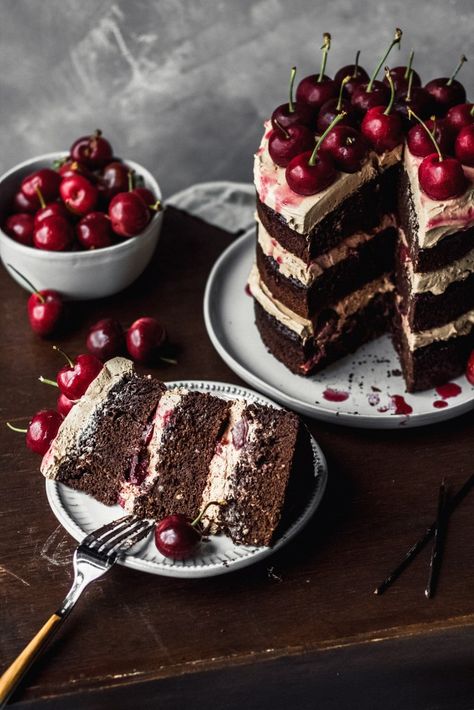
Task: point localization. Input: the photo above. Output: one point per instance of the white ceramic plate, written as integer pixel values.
(368, 383)
(80, 514)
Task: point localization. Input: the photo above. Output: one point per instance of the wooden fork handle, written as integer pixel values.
(14, 673)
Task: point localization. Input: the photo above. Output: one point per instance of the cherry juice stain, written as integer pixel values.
(398, 405)
(335, 395)
(440, 404)
(450, 389)
(247, 290)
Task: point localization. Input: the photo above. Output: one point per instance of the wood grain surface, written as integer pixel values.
(302, 626)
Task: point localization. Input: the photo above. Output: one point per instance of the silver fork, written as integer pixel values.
(95, 555)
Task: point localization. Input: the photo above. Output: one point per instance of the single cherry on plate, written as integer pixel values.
(177, 536)
(447, 92)
(78, 194)
(347, 147)
(93, 231)
(64, 405)
(313, 171)
(285, 143)
(294, 112)
(460, 116)
(20, 227)
(74, 378)
(144, 339)
(41, 430)
(357, 75)
(106, 339)
(46, 180)
(381, 125)
(94, 151)
(464, 146)
(401, 76)
(53, 234)
(374, 93)
(419, 142)
(332, 108)
(315, 90)
(470, 369)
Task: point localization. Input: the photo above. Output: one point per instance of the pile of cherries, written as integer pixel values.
(354, 113)
(90, 200)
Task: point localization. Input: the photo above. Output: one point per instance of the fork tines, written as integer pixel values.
(118, 535)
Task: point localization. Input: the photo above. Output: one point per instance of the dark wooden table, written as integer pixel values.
(303, 629)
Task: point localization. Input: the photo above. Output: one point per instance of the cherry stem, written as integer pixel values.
(131, 181)
(339, 100)
(392, 91)
(432, 138)
(280, 128)
(326, 46)
(356, 65)
(456, 71)
(396, 40)
(471, 112)
(212, 502)
(410, 62)
(71, 364)
(45, 381)
(290, 98)
(33, 289)
(156, 207)
(15, 428)
(40, 197)
(410, 82)
(169, 360)
(333, 123)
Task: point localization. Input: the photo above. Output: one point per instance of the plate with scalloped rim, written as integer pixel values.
(368, 384)
(80, 514)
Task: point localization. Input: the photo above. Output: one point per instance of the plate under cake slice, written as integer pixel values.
(434, 319)
(322, 283)
(99, 438)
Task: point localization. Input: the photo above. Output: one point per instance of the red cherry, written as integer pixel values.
(20, 227)
(306, 179)
(128, 214)
(53, 234)
(460, 116)
(447, 92)
(421, 145)
(400, 81)
(470, 369)
(22, 203)
(74, 379)
(441, 179)
(42, 429)
(93, 231)
(105, 339)
(420, 102)
(71, 168)
(54, 209)
(294, 112)
(315, 93)
(464, 146)
(382, 130)
(333, 108)
(175, 537)
(45, 311)
(285, 143)
(357, 75)
(45, 180)
(64, 405)
(347, 147)
(363, 100)
(115, 178)
(146, 195)
(144, 339)
(78, 194)
(94, 151)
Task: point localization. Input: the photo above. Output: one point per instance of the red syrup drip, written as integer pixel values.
(335, 395)
(440, 404)
(450, 389)
(399, 406)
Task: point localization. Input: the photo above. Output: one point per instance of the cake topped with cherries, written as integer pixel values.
(365, 220)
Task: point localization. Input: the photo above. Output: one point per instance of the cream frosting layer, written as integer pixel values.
(303, 213)
(301, 326)
(82, 414)
(292, 266)
(439, 218)
(457, 328)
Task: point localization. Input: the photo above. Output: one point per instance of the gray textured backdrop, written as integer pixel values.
(184, 86)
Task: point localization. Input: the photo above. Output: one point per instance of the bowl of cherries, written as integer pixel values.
(84, 223)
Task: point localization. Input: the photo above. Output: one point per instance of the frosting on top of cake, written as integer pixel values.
(82, 414)
(439, 218)
(303, 213)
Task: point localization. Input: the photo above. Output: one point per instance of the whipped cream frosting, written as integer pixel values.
(82, 414)
(292, 266)
(303, 213)
(439, 218)
(456, 328)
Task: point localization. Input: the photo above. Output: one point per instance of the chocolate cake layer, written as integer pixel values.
(187, 447)
(449, 249)
(361, 211)
(105, 448)
(433, 364)
(334, 339)
(372, 259)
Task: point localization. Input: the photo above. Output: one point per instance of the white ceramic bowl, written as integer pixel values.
(77, 274)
